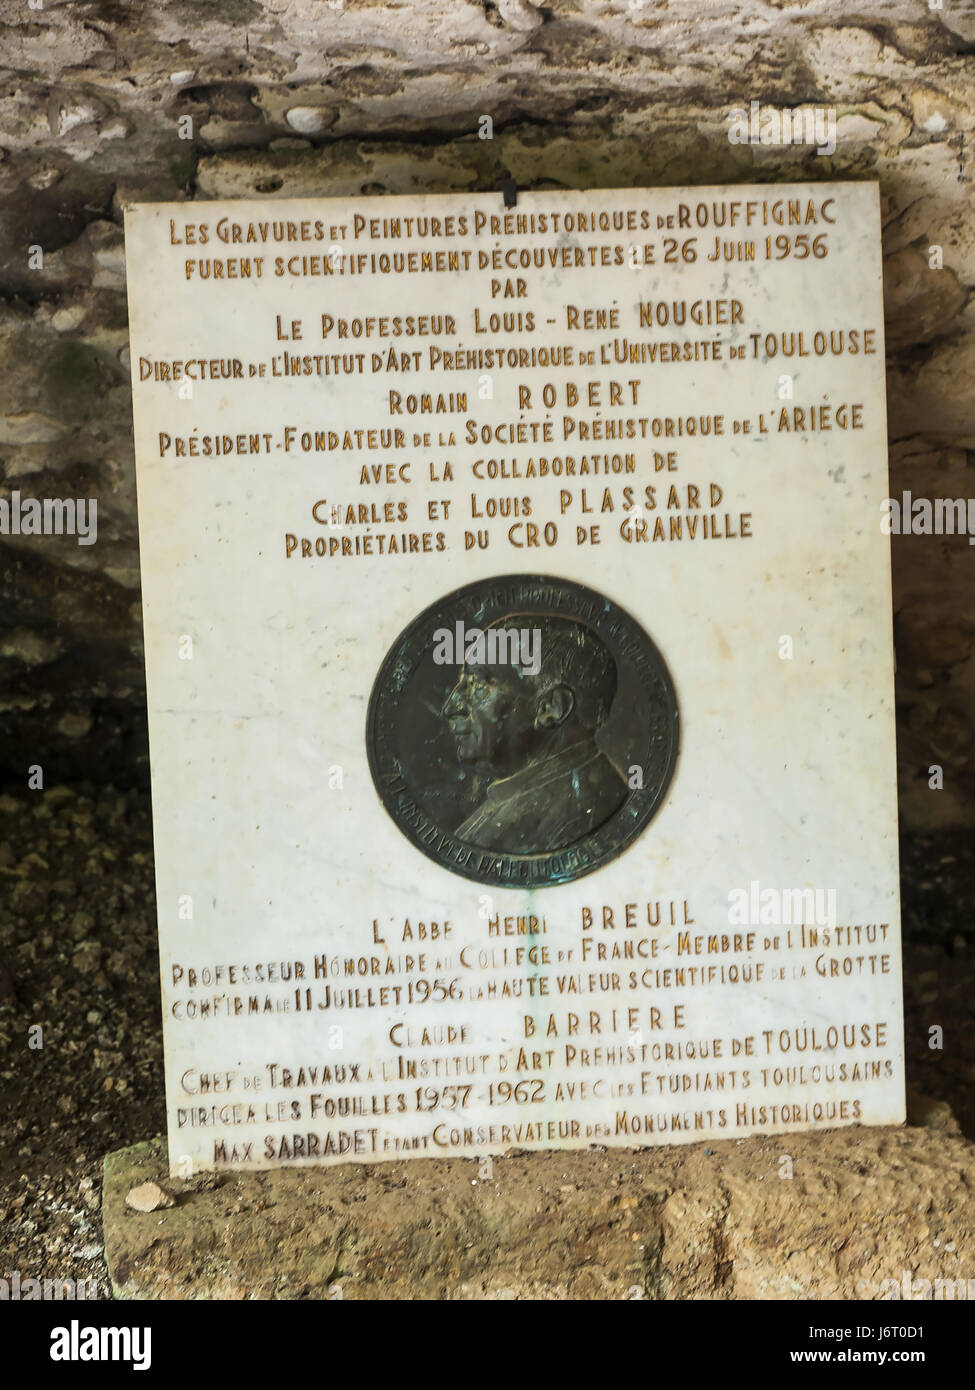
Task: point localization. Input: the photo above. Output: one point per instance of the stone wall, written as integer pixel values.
(313, 97)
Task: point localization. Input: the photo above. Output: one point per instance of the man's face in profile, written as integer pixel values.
(491, 713)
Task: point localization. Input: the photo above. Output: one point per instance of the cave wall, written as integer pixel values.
(317, 98)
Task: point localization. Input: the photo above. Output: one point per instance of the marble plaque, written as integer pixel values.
(520, 676)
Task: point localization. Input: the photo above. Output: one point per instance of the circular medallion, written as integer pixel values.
(522, 731)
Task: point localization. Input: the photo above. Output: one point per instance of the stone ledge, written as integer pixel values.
(693, 1221)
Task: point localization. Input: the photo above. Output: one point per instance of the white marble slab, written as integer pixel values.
(273, 848)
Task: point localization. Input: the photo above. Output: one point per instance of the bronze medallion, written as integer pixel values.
(522, 731)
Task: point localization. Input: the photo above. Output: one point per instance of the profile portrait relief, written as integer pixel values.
(522, 730)
(530, 731)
